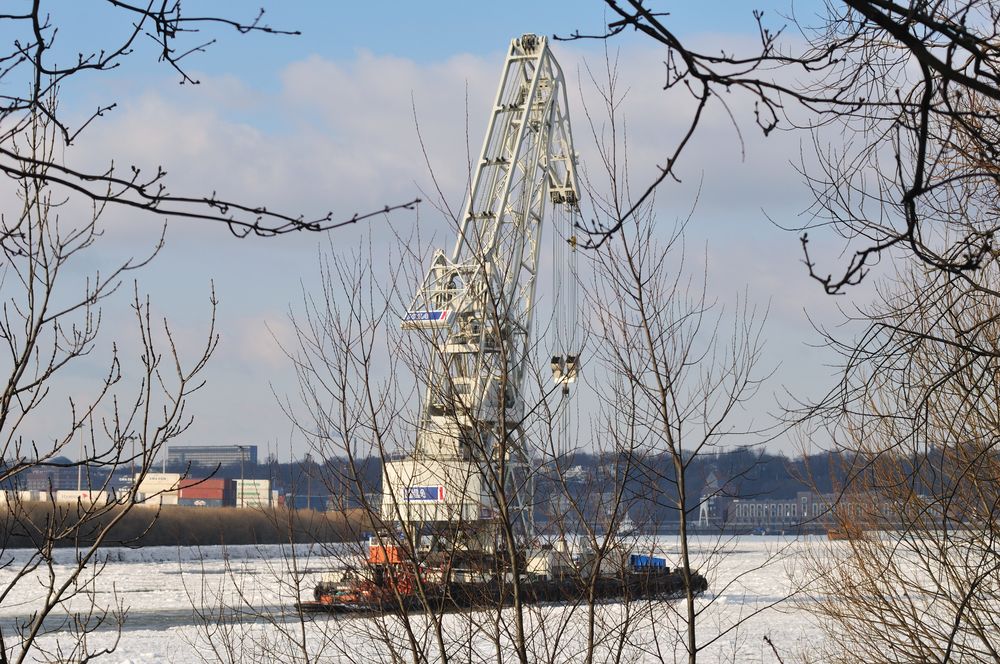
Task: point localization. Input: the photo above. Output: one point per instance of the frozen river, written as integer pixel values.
(235, 604)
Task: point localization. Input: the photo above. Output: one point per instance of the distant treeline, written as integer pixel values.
(645, 484)
(742, 472)
(29, 524)
(647, 478)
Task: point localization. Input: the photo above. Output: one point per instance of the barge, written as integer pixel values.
(389, 583)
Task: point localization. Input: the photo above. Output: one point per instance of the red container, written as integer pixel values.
(199, 492)
(212, 483)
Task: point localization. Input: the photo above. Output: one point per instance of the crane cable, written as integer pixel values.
(566, 292)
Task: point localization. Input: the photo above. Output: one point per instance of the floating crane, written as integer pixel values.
(462, 501)
(468, 472)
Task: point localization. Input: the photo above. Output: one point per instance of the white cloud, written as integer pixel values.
(261, 342)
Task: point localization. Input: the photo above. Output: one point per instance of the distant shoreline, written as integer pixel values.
(29, 525)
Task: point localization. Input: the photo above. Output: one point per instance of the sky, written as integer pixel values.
(328, 121)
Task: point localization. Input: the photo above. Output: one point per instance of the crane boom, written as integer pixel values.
(476, 306)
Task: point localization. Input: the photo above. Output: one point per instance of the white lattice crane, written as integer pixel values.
(468, 470)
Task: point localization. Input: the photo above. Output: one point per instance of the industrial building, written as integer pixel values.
(211, 456)
(809, 511)
(790, 513)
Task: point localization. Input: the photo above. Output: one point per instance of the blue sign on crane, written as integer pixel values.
(425, 494)
(437, 317)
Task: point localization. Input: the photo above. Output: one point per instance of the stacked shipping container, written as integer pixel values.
(214, 492)
(156, 489)
(253, 493)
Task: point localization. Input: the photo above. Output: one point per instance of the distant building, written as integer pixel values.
(57, 479)
(813, 511)
(211, 456)
(770, 513)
